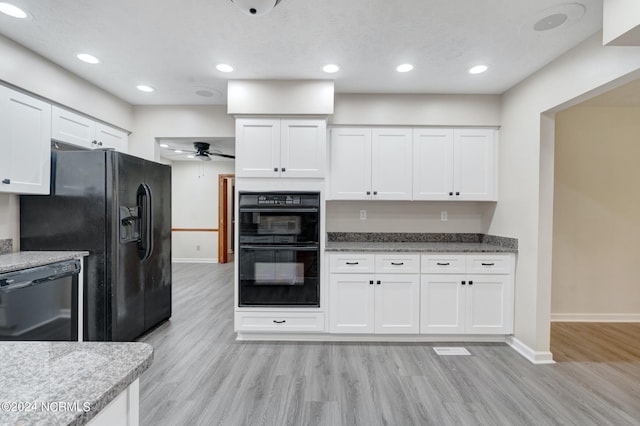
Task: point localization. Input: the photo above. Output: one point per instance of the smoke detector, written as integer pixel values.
(256, 7)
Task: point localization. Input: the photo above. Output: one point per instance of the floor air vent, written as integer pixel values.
(451, 351)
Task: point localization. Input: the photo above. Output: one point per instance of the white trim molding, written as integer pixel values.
(595, 317)
(535, 357)
(193, 260)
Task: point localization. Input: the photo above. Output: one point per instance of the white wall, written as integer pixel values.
(409, 216)
(28, 71)
(621, 22)
(31, 72)
(194, 192)
(526, 149)
(416, 110)
(151, 122)
(312, 97)
(596, 255)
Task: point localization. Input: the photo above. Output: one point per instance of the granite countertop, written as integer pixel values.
(419, 243)
(29, 259)
(65, 383)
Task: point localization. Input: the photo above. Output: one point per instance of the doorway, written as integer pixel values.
(226, 217)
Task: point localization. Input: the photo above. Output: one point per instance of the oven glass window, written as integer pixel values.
(279, 227)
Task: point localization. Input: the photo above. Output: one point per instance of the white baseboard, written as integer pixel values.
(370, 338)
(193, 260)
(534, 357)
(595, 317)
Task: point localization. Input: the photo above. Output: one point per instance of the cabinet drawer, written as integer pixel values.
(398, 263)
(352, 263)
(274, 321)
(489, 264)
(443, 264)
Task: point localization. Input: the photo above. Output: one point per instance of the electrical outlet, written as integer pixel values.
(363, 215)
(443, 216)
(198, 248)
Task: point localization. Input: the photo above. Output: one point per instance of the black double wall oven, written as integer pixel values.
(279, 249)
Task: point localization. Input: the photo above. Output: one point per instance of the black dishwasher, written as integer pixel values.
(40, 303)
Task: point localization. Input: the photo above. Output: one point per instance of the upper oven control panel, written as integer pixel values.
(280, 200)
(270, 199)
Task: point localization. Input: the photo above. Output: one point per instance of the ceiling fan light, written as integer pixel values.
(202, 156)
(256, 7)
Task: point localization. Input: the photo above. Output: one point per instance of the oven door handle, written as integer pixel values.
(290, 248)
(283, 209)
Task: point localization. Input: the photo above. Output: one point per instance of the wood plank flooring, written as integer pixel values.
(202, 376)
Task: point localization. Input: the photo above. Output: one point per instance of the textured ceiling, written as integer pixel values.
(174, 46)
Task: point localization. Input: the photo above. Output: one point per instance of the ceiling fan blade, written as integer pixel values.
(222, 155)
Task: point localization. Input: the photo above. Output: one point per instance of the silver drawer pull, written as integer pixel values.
(279, 322)
(397, 263)
(443, 264)
(353, 263)
(488, 264)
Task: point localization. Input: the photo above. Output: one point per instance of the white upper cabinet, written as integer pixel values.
(474, 167)
(391, 164)
(350, 162)
(370, 164)
(273, 147)
(432, 164)
(454, 164)
(75, 129)
(25, 143)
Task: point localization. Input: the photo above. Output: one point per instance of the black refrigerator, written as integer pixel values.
(117, 207)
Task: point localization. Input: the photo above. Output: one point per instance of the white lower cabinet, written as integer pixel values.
(375, 298)
(280, 321)
(467, 303)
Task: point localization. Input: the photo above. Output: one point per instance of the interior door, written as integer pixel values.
(127, 280)
(157, 268)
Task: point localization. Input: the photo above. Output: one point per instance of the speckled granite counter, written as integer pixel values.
(419, 243)
(29, 259)
(38, 378)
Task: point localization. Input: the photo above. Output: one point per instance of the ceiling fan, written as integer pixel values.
(203, 153)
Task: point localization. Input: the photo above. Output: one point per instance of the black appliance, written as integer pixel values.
(40, 303)
(118, 207)
(279, 249)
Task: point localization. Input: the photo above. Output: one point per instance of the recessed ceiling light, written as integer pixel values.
(144, 88)
(404, 68)
(224, 68)
(13, 11)
(331, 68)
(478, 69)
(164, 145)
(89, 59)
(178, 151)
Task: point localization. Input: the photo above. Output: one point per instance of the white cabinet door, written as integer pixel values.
(350, 162)
(397, 304)
(432, 164)
(351, 303)
(303, 148)
(442, 304)
(25, 143)
(72, 128)
(489, 305)
(258, 147)
(474, 167)
(108, 137)
(391, 164)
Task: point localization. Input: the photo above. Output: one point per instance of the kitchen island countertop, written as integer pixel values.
(65, 383)
(30, 259)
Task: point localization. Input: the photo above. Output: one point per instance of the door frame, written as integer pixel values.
(223, 219)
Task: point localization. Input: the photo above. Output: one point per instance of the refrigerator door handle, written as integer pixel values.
(145, 243)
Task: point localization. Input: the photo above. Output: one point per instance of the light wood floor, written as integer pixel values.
(202, 376)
